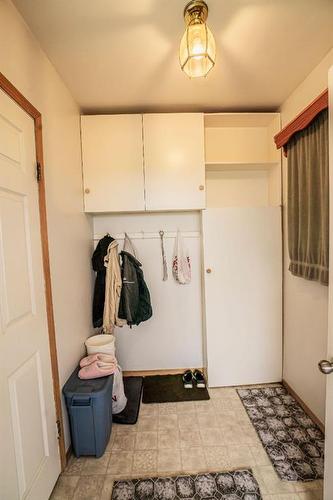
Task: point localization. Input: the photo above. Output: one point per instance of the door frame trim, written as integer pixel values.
(21, 101)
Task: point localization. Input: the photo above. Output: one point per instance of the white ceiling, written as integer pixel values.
(122, 55)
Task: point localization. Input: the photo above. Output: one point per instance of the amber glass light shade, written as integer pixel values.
(197, 50)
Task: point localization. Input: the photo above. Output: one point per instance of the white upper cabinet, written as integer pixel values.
(174, 161)
(112, 153)
(134, 163)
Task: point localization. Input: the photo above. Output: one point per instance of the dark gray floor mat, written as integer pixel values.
(170, 389)
(293, 442)
(133, 391)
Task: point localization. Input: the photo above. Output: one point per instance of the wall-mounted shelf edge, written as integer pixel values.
(219, 166)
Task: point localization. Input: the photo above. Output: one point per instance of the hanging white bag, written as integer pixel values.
(119, 400)
(181, 263)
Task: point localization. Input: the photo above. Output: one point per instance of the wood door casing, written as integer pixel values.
(21, 101)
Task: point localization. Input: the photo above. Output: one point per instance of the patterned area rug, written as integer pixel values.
(293, 442)
(235, 485)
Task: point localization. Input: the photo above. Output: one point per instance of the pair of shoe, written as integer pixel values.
(195, 376)
(97, 365)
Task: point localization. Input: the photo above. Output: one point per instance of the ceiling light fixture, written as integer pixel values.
(197, 48)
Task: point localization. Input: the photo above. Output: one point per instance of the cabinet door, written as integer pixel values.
(174, 161)
(112, 154)
(243, 295)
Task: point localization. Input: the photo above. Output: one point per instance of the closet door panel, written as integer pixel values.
(112, 153)
(243, 295)
(174, 161)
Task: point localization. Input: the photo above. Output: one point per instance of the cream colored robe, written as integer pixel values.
(113, 285)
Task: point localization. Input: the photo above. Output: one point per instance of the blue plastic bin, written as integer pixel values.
(89, 406)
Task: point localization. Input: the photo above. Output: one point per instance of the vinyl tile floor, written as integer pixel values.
(181, 438)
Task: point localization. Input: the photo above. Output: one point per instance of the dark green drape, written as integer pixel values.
(308, 201)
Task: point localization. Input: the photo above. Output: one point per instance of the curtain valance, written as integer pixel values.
(302, 120)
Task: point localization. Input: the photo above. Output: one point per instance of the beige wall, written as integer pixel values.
(237, 188)
(306, 303)
(70, 231)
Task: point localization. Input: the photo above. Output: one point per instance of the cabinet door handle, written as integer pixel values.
(208, 271)
(201, 187)
(87, 190)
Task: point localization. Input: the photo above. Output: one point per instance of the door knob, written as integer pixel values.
(325, 366)
(87, 190)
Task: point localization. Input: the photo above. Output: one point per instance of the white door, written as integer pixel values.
(243, 295)
(174, 161)
(328, 482)
(112, 155)
(29, 454)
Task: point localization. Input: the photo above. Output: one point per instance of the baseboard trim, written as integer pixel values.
(304, 406)
(68, 454)
(148, 373)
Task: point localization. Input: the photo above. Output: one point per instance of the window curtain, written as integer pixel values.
(308, 201)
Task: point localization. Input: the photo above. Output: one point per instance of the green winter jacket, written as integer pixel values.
(135, 305)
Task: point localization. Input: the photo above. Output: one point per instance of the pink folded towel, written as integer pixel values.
(98, 356)
(97, 369)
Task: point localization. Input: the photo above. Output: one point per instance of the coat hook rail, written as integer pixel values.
(144, 235)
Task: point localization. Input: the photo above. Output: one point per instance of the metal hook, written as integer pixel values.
(165, 267)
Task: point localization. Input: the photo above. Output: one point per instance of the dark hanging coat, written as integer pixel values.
(135, 305)
(99, 290)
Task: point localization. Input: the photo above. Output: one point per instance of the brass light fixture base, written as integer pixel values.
(196, 11)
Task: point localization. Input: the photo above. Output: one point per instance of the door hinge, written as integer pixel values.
(38, 172)
(58, 428)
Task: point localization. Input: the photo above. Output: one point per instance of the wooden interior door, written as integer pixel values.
(243, 295)
(29, 453)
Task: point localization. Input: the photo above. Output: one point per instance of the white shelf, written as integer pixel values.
(219, 166)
